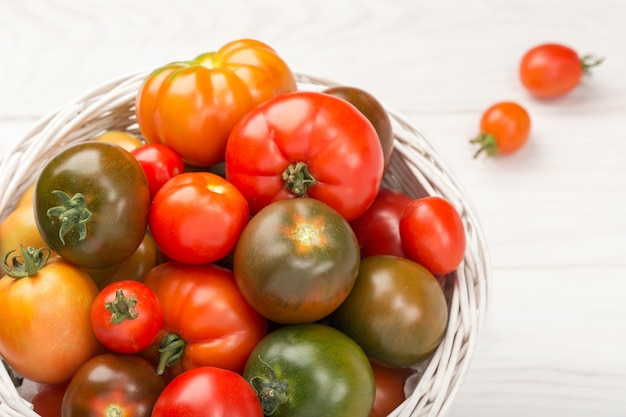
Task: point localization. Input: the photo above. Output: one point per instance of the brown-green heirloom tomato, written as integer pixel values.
(91, 204)
(309, 370)
(397, 311)
(296, 260)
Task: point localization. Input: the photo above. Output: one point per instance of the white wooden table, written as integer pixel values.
(554, 214)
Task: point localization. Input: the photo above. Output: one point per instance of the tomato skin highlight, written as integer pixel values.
(296, 260)
(208, 392)
(159, 163)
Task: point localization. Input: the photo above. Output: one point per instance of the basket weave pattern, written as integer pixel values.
(417, 169)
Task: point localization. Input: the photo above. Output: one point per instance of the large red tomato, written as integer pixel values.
(191, 106)
(207, 321)
(310, 144)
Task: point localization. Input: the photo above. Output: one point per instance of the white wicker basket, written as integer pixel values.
(417, 168)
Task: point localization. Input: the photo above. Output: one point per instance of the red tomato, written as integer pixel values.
(48, 400)
(208, 392)
(433, 234)
(378, 229)
(197, 217)
(207, 320)
(390, 392)
(552, 70)
(504, 129)
(126, 316)
(192, 106)
(306, 144)
(159, 163)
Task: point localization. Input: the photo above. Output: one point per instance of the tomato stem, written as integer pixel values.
(298, 179)
(34, 261)
(171, 349)
(73, 213)
(122, 308)
(487, 144)
(271, 391)
(589, 61)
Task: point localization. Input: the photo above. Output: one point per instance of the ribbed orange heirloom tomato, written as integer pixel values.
(504, 129)
(191, 106)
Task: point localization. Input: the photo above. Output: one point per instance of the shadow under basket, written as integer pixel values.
(417, 169)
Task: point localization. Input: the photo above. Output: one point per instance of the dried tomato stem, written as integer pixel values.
(171, 349)
(122, 307)
(33, 261)
(298, 179)
(271, 391)
(72, 213)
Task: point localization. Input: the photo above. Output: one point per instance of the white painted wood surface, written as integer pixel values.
(554, 214)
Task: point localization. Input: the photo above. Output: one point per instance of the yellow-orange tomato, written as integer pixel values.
(45, 332)
(20, 228)
(120, 138)
(191, 106)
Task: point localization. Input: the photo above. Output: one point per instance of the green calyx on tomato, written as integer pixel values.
(298, 179)
(122, 308)
(171, 351)
(72, 213)
(272, 392)
(34, 260)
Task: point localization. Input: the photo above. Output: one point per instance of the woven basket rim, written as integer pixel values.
(418, 167)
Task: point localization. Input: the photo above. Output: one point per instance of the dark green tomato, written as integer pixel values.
(296, 260)
(91, 204)
(113, 385)
(373, 110)
(396, 312)
(311, 370)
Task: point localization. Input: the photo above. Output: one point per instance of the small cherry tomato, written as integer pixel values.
(433, 234)
(552, 70)
(126, 316)
(390, 391)
(504, 129)
(121, 138)
(208, 392)
(197, 217)
(159, 163)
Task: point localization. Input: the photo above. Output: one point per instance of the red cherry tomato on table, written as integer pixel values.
(196, 217)
(552, 70)
(159, 163)
(126, 316)
(306, 144)
(504, 129)
(378, 229)
(208, 392)
(433, 234)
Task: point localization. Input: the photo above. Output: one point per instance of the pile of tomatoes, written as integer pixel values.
(240, 254)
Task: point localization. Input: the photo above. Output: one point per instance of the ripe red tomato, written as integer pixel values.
(192, 106)
(378, 229)
(207, 320)
(208, 392)
(390, 388)
(433, 234)
(113, 385)
(126, 316)
(504, 129)
(197, 217)
(306, 144)
(159, 163)
(552, 70)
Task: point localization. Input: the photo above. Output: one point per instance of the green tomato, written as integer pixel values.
(311, 370)
(91, 204)
(397, 311)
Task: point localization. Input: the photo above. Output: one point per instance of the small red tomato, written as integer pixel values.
(208, 392)
(390, 384)
(433, 234)
(504, 129)
(159, 163)
(552, 70)
(126, 316)
(378, 229)
(196, 217)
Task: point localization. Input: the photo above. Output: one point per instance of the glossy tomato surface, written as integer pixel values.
(504, 129)
(113, 385)
(191, 106)
(207, 321)
(296, 260)
(159, 163)
(91, 204)
(390, 388)
(208, 392)
(307, 144)
(311, 370)
(197, 217)
(396, 312)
